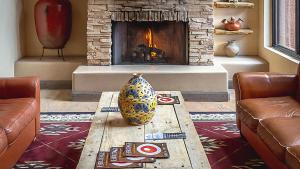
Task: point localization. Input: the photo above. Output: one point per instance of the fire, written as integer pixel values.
(149, 38)
(151, 44)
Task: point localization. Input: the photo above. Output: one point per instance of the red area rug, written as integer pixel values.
(59, 145)
(223, 145)
(63, 136)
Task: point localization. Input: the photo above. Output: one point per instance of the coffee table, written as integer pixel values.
(109, 129)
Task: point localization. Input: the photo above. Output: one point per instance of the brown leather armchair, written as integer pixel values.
(19, 117)
(268, 116)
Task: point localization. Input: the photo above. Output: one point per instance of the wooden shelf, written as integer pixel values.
(239, 32)
(234, 5)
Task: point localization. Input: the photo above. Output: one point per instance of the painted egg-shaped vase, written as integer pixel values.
(137, 101)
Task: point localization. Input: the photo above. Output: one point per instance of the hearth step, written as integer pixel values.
(242, 64)
(53, 72)
(205, 83)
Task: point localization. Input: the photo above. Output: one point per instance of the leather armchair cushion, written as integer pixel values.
(15, 115)
(250, 111)
(3, 140)
(292, 157)
(279, 133)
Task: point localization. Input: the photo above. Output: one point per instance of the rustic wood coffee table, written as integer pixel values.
(109, 129)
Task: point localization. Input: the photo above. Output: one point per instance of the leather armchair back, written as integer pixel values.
(20, 87)
(262, 85)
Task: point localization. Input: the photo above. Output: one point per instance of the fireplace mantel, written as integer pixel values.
(197, 13)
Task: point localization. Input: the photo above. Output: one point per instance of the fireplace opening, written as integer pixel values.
(149, 43)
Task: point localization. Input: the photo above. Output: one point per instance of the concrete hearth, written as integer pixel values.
(204, 83)
(53, 72)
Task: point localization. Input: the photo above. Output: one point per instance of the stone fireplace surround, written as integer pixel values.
(209, 80)
(197, 13)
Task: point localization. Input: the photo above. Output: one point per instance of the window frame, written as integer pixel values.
(275, 30)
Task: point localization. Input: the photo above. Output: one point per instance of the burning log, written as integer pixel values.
(148, 54)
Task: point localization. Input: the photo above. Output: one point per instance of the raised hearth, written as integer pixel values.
(206, 83)
(53, 72)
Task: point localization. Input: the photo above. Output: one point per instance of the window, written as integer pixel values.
(286, 33)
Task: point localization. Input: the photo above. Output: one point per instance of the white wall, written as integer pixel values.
(10, 50)
(278, 62)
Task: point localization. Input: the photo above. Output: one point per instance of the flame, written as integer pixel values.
(149, 38)
(151, 44)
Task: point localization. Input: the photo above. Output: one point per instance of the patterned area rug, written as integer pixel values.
(223, 145)
(63, 136)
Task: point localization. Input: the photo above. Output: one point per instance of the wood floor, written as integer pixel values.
(60, 101)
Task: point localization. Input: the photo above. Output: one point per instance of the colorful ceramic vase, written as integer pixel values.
(137, 101)
(53, 22)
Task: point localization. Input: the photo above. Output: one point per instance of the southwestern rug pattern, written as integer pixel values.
(63, 136)
(222, 143)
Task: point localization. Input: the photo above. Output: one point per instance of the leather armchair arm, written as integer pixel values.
(20, 87)
(261, 85)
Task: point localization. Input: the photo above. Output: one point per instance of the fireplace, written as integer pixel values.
(149, 43)
(181, 32)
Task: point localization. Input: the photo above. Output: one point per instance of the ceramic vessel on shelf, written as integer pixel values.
(232, 49)
(53, 22)
(137, 101)
(232, 24)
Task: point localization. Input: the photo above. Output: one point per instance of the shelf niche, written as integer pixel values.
(234, 5)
